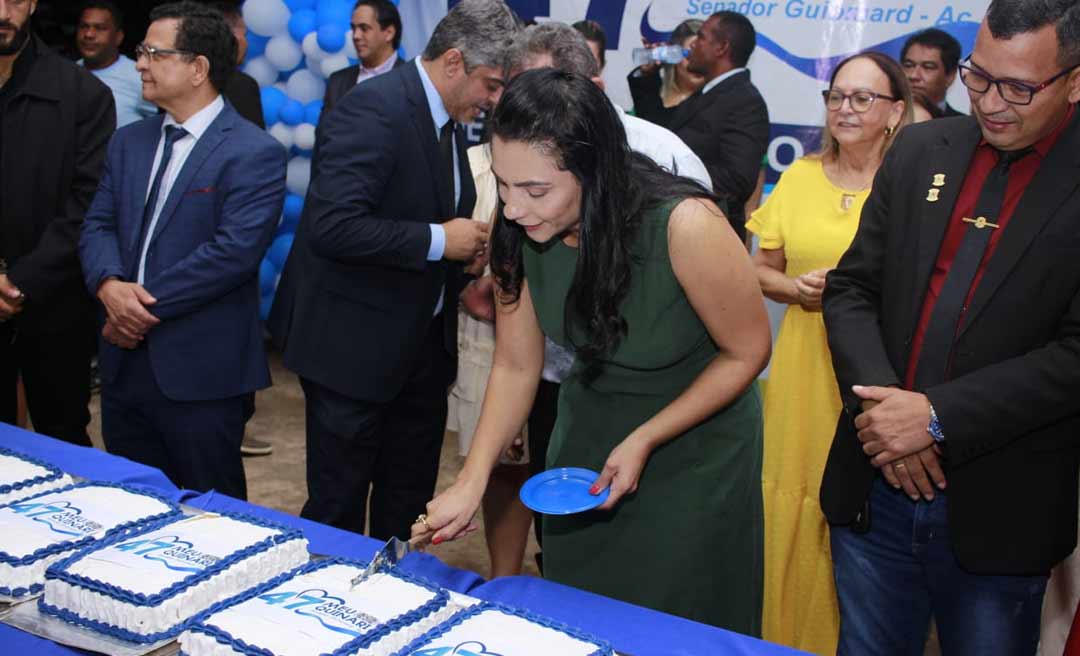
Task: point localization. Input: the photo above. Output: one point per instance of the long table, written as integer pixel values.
(631, 629)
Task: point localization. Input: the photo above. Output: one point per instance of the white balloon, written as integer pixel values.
(263, 71)
(266, 17)
(314, 65)
(305, 86)
(284, 135)
(298, 175)
(304, 136)
(350, 48)
(334, 63)
(311, 48)
(283, 52)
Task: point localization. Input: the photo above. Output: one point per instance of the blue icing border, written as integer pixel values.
(603, 648)
(58, 571)
(202, 623)
(54, 473)
(116, 531)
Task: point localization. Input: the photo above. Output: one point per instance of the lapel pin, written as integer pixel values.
(932, 194)
(979, 222)
(939, 180)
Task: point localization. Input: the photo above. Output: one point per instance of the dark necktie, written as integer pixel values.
(446, 155)
(935, 357)
(173, 134)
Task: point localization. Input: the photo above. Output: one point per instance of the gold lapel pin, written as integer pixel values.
(979, 222)
(932, 194)
(939, 180)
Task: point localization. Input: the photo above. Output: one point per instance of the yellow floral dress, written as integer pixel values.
(813, 221)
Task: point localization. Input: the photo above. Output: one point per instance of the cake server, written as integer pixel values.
(387, 557)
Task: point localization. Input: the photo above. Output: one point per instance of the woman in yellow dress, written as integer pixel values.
(803, 228)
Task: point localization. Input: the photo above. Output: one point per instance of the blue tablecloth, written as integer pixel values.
(631, 629)
(86, 462)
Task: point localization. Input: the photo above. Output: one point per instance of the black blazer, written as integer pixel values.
(54, 130)
(342, 82)
(952, 111)
(1009, 412)
(242, 92)
(357, 294)
(728, 128)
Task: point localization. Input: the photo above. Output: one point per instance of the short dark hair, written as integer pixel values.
(935, 38)
(592, 31)
(230, 11)
(107, 5)
(202, 31)
(739, 32)
(1007, 18)
(387, 14)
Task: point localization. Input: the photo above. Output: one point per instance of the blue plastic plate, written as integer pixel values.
(562, 491)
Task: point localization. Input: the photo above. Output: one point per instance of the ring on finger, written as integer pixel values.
(422, 519)
(899, 465)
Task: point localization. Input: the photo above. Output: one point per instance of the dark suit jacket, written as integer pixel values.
(357, 295)
(728, 128)
(1009, 412)
(242, 91)
(952, 111)
(55, 130)
(342, 82)
(203, 261)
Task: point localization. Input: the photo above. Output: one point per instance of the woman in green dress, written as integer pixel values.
(639, 273)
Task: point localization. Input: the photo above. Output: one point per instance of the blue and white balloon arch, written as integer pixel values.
(293, 47)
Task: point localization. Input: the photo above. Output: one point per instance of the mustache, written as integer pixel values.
(8, 24)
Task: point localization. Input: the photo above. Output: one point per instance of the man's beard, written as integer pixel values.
(17, 41)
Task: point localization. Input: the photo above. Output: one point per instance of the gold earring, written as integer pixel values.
(889, 130)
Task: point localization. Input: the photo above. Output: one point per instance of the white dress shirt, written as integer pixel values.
(711, 84)
(664, 147)
(196, 126)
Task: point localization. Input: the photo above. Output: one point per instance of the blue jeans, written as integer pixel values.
(890, 579)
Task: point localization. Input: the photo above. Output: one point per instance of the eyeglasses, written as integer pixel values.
(860, 101)
(156, 54)
(1011, 91)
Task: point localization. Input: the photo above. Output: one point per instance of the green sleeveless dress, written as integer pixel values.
(689, 542)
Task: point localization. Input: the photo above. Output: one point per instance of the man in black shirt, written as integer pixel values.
(55, 123)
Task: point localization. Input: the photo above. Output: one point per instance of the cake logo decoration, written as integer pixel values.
(470, 648)
(172, 552)
(330, 611)
(60, 516)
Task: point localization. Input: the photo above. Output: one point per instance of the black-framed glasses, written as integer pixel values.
(860, 101)
(1013, 92)
(156, 54)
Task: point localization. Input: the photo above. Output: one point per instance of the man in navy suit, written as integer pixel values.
(376, 35)
(171, 247)
(366, 311)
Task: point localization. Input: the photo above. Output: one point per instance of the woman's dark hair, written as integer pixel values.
(569, 118)
(203, 31)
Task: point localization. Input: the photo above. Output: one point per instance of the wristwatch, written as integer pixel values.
(935, 427)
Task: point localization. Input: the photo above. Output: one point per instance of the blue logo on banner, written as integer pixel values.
(60, 516)
(470, 648)
(330, 611)
(172, 552)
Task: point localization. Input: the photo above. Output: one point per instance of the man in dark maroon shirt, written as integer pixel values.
(954, 326)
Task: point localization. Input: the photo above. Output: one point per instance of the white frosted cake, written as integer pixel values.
(145, 587)
(37, 531)
(23, 476)
(314, 610)
(493, 630)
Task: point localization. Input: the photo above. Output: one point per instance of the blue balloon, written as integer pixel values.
(338, 12)
(279, 250)
(273, 99)
(292, 113)
(312, 111)
(331, 36)
(265, 303)
(297, 5)
(256, 45)
(267, 277)
(294, 205)
(302, 23)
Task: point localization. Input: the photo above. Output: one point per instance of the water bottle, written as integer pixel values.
(672, 54)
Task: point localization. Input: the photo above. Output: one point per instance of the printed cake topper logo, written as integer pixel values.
(60, 516)
(172, 552)
(330, 611)
(470, 648)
